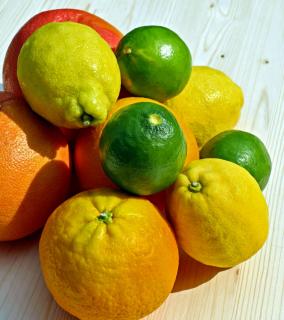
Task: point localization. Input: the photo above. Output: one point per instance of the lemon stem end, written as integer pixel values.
(105, 217)
(87, 119)
(195, 186)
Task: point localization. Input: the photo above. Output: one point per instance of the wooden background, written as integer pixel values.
(245, 39)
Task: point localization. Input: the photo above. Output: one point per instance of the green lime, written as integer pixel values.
(142, 148)
(154, 62)
(68, 74)
(242, 148)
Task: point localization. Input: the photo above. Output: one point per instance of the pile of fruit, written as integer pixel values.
(142, 144)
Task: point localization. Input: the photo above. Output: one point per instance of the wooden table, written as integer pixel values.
(245, 39)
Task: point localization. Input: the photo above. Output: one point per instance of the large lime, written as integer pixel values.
(154, 62)
(242, 148)
(142, 148)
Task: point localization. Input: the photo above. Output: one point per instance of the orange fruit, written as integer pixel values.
(108, 255)
(34, 170)
(86, 151)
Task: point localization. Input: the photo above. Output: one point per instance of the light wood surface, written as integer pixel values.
(245, 39)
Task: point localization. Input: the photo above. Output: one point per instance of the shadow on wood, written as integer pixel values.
(19, 247)
(192, 273)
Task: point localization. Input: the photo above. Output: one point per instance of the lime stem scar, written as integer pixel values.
(105, 217)
(127, 50)
(155, 119)
(87, 119)
(194, 186)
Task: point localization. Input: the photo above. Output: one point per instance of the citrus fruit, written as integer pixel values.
(106, 255)
(242, 148)
(218, 212)
(210, 103)
(86, 150)
(68, 74)
(109, 33)
(87, 161)
(34, 170)
(154, 62)
(142, 148)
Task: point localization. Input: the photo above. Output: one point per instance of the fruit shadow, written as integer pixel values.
(18, 247)
(36, 129)
(192, 273)
(38, 203)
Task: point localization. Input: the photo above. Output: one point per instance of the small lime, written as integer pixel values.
(154, 62)
(242, 148)
(142, 148)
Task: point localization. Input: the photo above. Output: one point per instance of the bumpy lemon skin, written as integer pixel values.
(218, 212)
(209, 104)
(68, 74)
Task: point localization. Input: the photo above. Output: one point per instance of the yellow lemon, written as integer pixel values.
(218, 212)
(68, 74)
(107, 255)
(210, 103)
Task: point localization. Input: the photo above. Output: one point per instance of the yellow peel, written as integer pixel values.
(66, 71)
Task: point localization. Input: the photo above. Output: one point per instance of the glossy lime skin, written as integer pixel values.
(154, 62)
(242, 148)
(142, 148)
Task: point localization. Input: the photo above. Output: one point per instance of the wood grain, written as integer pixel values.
(243, 38)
